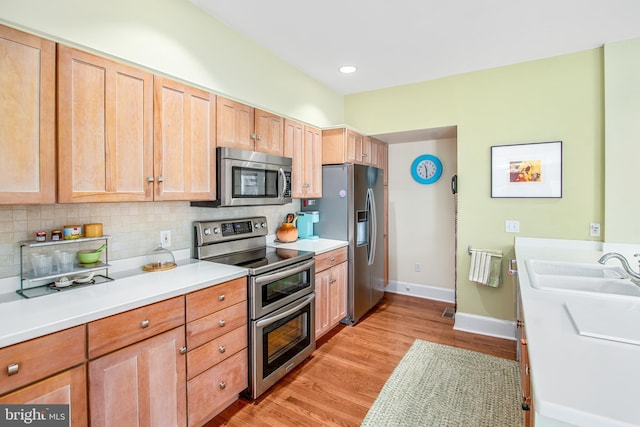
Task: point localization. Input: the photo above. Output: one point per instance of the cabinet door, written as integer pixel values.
(68, 387)
(312, 162)
(269, 133)
(27, 118)
(105, 151)
(294, 138)
(368, 153)
(143, 384)
(338, 294)
(322, 302)
(235, 126)
(354, 147)
(184, 142)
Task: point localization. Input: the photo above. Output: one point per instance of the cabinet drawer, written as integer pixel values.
(38, 358)
(331, 258)
(120, 330)
(215, 389)
(210, 300)
(215, 351)
(217, 324)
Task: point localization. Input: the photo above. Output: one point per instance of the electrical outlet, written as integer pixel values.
(418, 267)
(512, 226)
(594, 229)
(165, 238)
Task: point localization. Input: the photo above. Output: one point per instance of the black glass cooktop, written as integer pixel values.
(262, 260)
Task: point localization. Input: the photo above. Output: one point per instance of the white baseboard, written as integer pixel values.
(421, 291)
(485, 326)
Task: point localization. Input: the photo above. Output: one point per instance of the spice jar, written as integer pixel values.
(41, 236)
(56, 235)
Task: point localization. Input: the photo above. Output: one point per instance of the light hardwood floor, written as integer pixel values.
(337, 385)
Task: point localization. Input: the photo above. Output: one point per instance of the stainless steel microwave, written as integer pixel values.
(250, 178)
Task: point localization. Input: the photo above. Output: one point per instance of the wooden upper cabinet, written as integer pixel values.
(27, 118)
(184, 142)
(105, 129)
(248, 128)
(304, 145)
(235, 125)
(345, 146)
(269, 133)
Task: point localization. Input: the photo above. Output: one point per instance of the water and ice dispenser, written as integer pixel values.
(305, 224)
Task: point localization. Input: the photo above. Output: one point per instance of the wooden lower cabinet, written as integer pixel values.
(217, 357)
(68, 387)
(143, 384)
(331, 290)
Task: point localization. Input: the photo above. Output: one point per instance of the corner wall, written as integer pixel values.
(559, 98)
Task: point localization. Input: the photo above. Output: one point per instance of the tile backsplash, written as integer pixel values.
(134, 227)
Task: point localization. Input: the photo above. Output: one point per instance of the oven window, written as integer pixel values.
(249, 182)
(282, 288)
(285, 338)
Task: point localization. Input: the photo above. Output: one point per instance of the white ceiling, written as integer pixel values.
(395, 42)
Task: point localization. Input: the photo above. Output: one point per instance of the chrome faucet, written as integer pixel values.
(625, 264)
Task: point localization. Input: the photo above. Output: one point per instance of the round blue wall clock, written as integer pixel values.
(426, 169)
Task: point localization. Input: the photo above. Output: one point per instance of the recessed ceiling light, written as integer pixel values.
(348, 69)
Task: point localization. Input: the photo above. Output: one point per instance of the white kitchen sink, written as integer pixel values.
(581, 278)
(575, 269)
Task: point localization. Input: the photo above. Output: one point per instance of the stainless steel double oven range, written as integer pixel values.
(280, 290)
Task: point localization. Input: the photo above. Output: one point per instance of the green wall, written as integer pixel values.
(559, 98)
(175, 38)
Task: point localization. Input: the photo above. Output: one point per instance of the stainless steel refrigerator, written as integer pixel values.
(352, 209)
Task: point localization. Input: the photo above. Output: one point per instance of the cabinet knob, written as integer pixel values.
(150, 179)
(332, 258)
(144, 324)
(253, 136)
(221, 297)
(160, 178)
(223, 385)
(331, 281)
(183, 350)
(13, 369)
(222, 349)
(222, 323)
(523, 341)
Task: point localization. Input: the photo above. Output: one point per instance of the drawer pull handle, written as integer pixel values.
(144, 324)
(222, 349)
(13, 369)
(223, 385)
(222, 323)
(221, 297)
(183, 350)
(332, 258)
(332, 281)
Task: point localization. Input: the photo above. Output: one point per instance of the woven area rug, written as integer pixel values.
(439, 385)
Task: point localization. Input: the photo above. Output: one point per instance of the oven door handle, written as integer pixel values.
(301, 303)
(281, 274)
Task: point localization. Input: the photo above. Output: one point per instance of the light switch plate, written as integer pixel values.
(594, 229)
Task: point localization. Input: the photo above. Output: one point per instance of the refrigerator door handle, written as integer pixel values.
(371, 208)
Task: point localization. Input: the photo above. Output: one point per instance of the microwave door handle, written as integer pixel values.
(284, 183)
(269, 320)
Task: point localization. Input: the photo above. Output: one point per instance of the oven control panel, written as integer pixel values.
(216, 231)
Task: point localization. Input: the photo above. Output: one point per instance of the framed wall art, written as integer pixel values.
(527, 170)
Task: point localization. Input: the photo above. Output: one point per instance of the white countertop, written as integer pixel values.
(314, 245)
(23, 319)
(576, 380)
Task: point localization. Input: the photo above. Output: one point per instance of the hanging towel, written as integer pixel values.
(486, 267)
